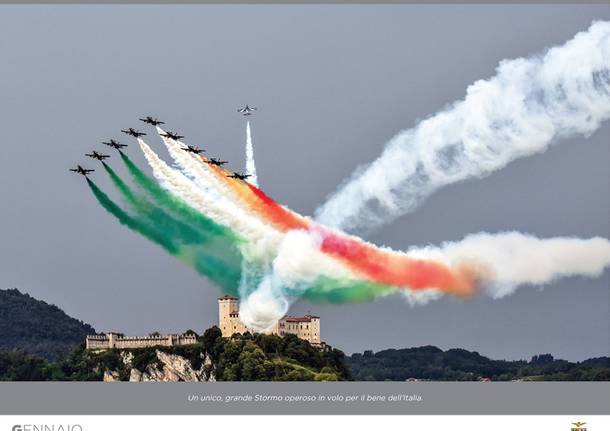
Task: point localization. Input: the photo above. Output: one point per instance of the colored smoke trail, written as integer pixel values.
(126, 192)
(174, 204)
(213, 179)
(251, 229)
(241, 194)
(163, 222)
(213, 256)
(250, 166)
(498, 263)
(270, 255)
(132, 223)
(529, 104)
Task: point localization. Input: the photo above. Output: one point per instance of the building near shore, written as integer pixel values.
(305, 327)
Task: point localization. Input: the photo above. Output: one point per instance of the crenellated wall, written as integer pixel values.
(118, 341)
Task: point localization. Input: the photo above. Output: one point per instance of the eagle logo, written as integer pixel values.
(578, 426)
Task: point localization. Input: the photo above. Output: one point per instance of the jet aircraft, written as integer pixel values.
(172, 135)
(217, 162)
(133, 132)
(80, 170)
(246, 110)
(239, 176)
(114, 144)
(98, 156)
(193, 149)
(150, 120)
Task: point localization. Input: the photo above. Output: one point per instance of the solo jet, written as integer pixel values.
(172, 135)
(246, 110)
(114, 144)
(80, 170)
(98, 156)
(133, 132)
(193, 149)
(151, 120)
(239, 176)
(216, 162)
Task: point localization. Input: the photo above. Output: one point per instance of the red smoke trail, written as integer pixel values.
(280, 216)
(396, 269)
(378, 265)
(371, 262)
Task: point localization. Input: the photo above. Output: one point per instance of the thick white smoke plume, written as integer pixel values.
(530, 103)
(503, 262)
(250, 166)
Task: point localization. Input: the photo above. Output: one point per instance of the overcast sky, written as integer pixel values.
(333, 84)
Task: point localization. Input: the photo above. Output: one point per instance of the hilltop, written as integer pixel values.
(245, 357)
(36, 327)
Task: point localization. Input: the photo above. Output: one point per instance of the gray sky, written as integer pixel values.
(333, 84)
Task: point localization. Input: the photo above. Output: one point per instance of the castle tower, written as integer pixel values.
(228, 316)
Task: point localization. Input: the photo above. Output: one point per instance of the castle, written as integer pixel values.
(114, 340)
(305, 327)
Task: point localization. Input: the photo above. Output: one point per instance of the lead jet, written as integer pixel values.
(133, 132)
(216, 162)
(172, 135)
(150, 120)
(80, 170)
(193, 149)
(98, 156)
(246, 110)
(114, 144)
(239, 176)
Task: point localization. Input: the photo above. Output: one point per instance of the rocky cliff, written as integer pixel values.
(164, 367)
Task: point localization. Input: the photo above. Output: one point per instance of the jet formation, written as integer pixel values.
(246, 111)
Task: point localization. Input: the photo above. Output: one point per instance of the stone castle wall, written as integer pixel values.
(117, 341)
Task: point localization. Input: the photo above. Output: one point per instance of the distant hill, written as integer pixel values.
(37, 327)
(432, 363)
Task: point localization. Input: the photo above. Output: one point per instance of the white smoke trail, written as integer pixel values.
(263, 240)
(508, 260)
(250, 166)
(530, 103)
(194, 168)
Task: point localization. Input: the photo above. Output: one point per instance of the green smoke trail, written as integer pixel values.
(122, 186)
(176, 205)
(210, 254)
(160, 220)
(222, 273)
(132, 223)
(336, 291)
